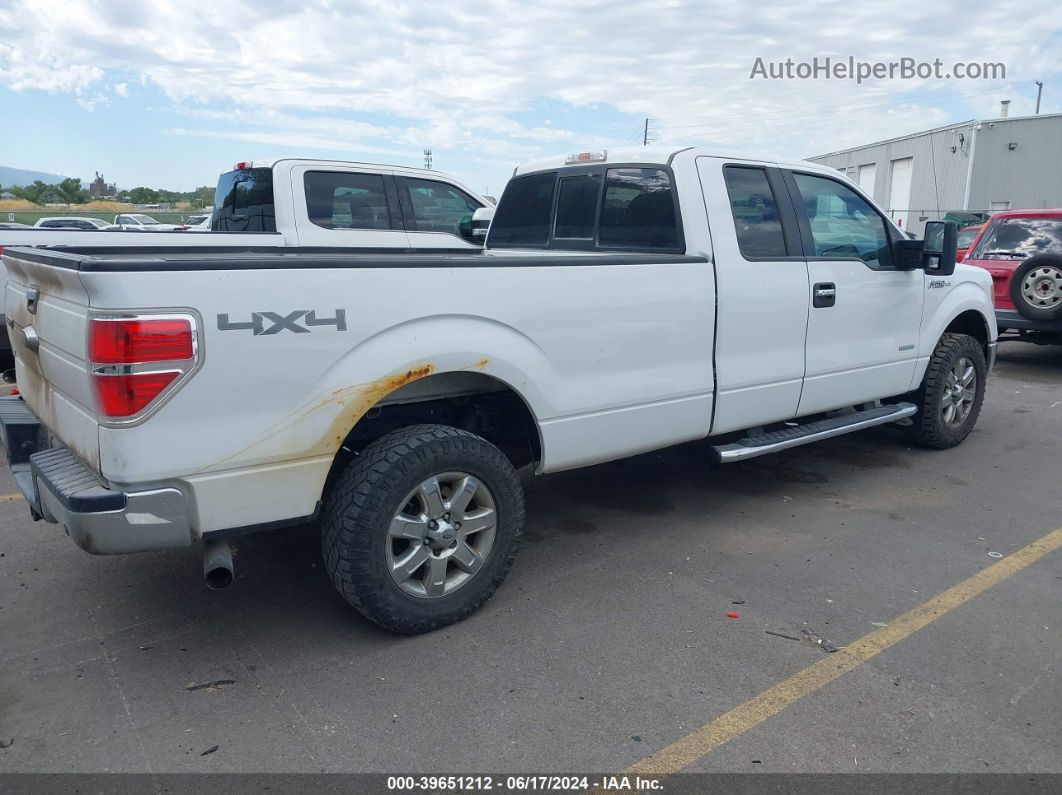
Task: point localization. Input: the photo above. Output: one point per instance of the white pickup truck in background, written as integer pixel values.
(303, 202)
(139, 222)
(626, 301)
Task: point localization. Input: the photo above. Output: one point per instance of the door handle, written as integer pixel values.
(823, 294)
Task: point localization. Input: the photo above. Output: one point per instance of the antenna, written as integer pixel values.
(427, 159)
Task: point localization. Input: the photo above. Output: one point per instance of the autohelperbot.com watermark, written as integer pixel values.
(851, 68)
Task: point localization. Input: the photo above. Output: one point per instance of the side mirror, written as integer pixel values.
(481, 219)
(938, 248)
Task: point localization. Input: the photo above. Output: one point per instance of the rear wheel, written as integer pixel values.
(949, 400)
(422, 527)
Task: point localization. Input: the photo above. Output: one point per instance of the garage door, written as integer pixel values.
(900, 192)
(867, 175)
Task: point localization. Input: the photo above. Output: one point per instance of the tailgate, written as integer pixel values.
(47, 317)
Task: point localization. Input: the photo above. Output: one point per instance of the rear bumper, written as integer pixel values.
(1011, 319)
(61, 489)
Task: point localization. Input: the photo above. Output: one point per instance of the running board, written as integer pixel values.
(793, 436)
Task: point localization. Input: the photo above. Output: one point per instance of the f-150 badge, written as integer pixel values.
(292, 321)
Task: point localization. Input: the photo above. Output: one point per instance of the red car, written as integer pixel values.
(1022, 249)
(967, 235)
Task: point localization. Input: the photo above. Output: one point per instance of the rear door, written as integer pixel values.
(47, 317)
(347, 208)
(762, 286)
(865, 314)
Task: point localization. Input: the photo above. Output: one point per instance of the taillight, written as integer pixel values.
(133, 341)
(124, 395)
(135, 359)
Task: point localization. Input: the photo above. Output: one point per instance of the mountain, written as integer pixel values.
(19, 176)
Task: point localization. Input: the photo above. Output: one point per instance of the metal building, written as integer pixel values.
(977, 166)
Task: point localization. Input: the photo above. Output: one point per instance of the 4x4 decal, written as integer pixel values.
(288, 322)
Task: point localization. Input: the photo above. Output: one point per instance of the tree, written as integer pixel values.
(36, 193)
(71, 191)
(144, 196)
(203, 197)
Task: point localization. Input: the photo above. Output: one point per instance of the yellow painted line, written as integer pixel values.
(702, 741)
(10, 497)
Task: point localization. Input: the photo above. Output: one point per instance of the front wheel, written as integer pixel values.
(422, 527)
(949, 400)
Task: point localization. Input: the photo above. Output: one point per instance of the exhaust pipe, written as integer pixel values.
(9, 375)
(217, 563)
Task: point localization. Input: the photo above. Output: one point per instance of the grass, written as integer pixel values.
(24, 212)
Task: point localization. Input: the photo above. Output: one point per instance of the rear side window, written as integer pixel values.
(243, 202)
(523, 215)
(638, 210)
(756, 220)
(338, 200)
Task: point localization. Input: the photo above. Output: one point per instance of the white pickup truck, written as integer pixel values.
(302, 202)
(626, 301)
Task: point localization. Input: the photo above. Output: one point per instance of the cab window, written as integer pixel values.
(438, 207)
(638, 210)
(243, 202)
(523, 214)
(346, 200)
(843, 224)
(756, 219)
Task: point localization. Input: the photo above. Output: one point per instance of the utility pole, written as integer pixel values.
(645, 135)
(427, 159)
(1039, 91)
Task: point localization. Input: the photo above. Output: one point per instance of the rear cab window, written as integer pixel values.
(243, 202)
(621, 207)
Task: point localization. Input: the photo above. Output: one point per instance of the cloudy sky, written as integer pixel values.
(168, 94)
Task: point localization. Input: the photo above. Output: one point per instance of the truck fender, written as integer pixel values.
(940, 313)
(395, 357)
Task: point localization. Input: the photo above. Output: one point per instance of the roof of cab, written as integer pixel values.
(659, 154)
(1030, 213)
(270, 162)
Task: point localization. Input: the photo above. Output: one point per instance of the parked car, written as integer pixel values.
(73, 222)
(303, 202)
(1022, 249)
(13, 225)
(197, 222)
(139, 222)
(967, 235)
(626, 301)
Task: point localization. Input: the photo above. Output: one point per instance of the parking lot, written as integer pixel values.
(609, 641)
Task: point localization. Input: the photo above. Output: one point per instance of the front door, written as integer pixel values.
(865, 314)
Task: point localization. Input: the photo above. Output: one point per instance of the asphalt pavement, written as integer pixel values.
(610, 639)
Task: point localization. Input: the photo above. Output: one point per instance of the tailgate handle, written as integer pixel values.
(32, 296)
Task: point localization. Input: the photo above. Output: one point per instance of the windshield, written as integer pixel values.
(966, 237)
(1020, 238)
(243, 202)
(147, 220)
